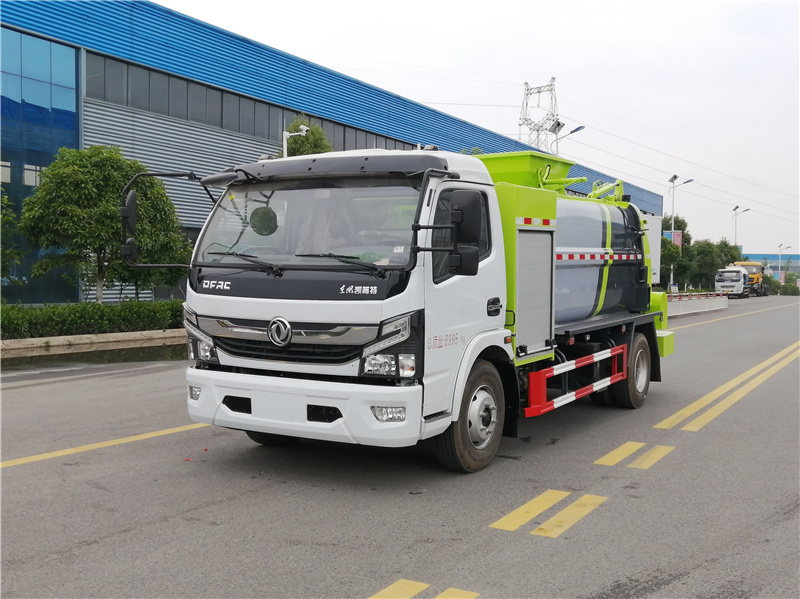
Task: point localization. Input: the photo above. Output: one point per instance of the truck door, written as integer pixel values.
(458, 307)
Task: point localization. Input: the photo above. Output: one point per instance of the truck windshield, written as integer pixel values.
(728, 275)
(334, 222)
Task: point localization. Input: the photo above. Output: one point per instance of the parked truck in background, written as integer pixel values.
(755, 278)
(732, 280)
(387, 297)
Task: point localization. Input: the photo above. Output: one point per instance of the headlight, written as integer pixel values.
(201, 346)
(395, 352)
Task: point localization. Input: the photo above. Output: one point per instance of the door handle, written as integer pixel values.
(494, 307)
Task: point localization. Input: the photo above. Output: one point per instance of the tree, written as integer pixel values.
(10, 254)
(75, 213)
(707, 261)
(728, 252)
(313, 142)
(670, 255)
(684, 264)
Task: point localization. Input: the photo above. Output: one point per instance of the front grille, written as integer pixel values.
(296, 352)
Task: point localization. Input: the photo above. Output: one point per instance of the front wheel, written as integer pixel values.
(631, 392)
(472, 441)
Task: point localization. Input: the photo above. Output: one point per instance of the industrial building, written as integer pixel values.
(179, 94)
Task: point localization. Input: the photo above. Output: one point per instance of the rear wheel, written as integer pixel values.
(472, 441)
(269, 439)
(631, 392)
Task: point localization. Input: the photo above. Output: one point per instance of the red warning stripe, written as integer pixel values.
(566, 257)
(539, 222)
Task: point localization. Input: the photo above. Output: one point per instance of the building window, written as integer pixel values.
(116, 81)
(159, 93)
(31, 175)
(138, 88)
(178, 98)
(197, 103)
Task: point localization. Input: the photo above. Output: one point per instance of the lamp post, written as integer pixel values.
(672, 180)
(737, 212)
(557, 139)
(781, 247)
(287, 135)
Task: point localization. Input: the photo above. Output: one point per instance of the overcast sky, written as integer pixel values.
(705, 90)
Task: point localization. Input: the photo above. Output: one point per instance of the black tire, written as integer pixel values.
(270, 440)
(631, 392)
(471, 442)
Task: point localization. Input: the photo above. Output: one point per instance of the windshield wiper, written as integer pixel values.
(377, 269)
(276, 270)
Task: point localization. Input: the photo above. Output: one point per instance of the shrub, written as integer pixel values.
(89, 318)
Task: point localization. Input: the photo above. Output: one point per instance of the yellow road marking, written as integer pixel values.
(457, 594)
(619, 454)
(530, 510)
(651, 457)
(701, 421)
(569, 516)
(402, 589)
(697, 324)
(701, 403)
(63, 452)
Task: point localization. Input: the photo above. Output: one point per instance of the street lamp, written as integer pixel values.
(781, 247)
(672, 180)
(287, 135)
(557, 139)
(737, 212)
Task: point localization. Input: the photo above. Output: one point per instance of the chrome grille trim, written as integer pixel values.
(336, 335)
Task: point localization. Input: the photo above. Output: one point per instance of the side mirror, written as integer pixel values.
(128, 213)
(464, 261)
(130, 251)
(465, 215)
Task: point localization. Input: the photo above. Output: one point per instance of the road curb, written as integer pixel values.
(41, 346)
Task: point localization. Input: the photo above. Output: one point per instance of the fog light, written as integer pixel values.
(380, 364)
(388, 414)
(408, 364)
(194, 393)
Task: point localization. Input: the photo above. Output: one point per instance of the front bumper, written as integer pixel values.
(279, 405)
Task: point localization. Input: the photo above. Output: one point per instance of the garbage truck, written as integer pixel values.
(386, 298)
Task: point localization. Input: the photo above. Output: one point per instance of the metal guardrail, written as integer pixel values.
(690, 303)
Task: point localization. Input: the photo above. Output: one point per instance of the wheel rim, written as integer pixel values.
(482, 417)
(640, 374)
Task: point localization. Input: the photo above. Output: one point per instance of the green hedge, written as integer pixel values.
(90, 318)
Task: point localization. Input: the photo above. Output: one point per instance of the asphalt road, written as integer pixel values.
(108, 491)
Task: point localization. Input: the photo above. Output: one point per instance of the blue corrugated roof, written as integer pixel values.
(157, 37)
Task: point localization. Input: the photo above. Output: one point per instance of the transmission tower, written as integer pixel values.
(538, 131)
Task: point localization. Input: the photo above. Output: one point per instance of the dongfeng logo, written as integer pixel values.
(280, 332)
(216, 284)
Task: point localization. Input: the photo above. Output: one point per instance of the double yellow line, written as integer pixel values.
(792, 353)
